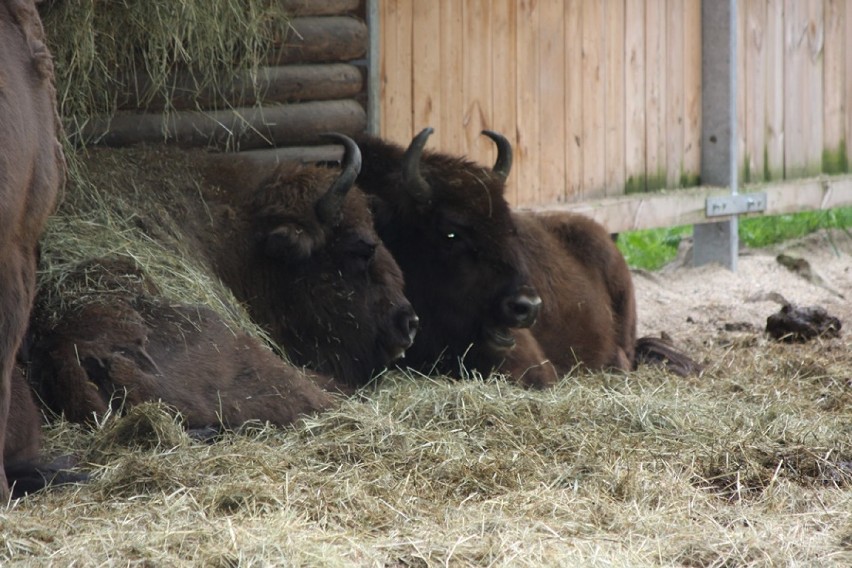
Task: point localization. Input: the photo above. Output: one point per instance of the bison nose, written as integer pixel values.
(522, 309)
(408, 323)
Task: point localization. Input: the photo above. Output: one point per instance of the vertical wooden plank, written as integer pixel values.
(805, 37)
(847, 89)
(813, 81)
(476, 81)
(774, 48)
(848, 83)
(755, 80)
(655, 95)
(594, 103)
(527, 72)
(634, 86)
(614, 142)
(574, 142)
(692, 92)
(396, 70)
(795, 44)
(834, 108)
(551, 87)
(426, 60)
(452, 103)
(504, 76)
(674, 92)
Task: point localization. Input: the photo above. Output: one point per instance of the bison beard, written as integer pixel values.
(32, 170)
(464, 255)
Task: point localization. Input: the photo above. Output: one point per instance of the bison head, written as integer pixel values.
(448, 225)
(332, 293)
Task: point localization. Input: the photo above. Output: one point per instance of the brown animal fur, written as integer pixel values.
(588, 313)
(129, 347)
(588, 308)
(465, 271)
(327, 291)
(31, 174)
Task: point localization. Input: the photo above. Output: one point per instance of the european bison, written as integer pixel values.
(32, 170)
(447, 224)
(299, 249)
(302, 253)
(130, 346)
(449, 227)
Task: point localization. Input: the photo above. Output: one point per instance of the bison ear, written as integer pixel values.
(288, 243)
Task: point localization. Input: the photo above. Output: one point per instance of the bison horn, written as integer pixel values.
(329, 206)
(411, 176)
(503, 165)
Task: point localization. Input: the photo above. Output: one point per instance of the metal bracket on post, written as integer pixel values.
(738, 204)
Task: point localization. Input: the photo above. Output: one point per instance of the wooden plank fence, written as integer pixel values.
(603, 98)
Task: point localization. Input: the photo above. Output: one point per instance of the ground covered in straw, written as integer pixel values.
(748, 465)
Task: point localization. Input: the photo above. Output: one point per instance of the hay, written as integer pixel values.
(604, 469)
(99, 47)
(128, 207)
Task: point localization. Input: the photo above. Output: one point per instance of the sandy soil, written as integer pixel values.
(709, 305)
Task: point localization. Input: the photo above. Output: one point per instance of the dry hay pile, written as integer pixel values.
(131, 206)
(747, 465)
(104, 51)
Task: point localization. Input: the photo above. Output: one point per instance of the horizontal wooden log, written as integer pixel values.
(242, 128)
(321, 39)
(282, 84)
(324, 8)
(294, 154)
(688, 206)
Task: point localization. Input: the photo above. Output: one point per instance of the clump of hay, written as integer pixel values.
(128, 207)
(100, 48)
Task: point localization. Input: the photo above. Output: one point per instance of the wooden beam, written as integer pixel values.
(670, 208)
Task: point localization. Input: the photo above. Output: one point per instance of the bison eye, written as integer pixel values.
(361, 254)
(451, 235)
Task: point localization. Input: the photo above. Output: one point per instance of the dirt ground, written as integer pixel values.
(710, 305)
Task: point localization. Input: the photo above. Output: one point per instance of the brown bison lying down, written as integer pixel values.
(131, 346)
(32, 170)
(299, 249)
(480, 275)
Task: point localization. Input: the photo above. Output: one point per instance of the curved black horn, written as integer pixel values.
(503, 165)
(329, 205)
(414, 182)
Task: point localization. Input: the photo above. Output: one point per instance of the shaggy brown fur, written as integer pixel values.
(131, 346)
(588, 309)
(32, 172)
(449, 227)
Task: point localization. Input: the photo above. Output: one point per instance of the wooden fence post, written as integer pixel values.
(718, 242)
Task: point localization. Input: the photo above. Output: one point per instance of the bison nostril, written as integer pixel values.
(523, 309)
(408, 323)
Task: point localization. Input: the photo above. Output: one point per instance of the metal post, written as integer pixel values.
(718, 242)
(373, 79)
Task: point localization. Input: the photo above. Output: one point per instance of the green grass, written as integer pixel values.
(651, 249)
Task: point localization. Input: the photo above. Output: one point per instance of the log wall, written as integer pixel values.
(314, 82)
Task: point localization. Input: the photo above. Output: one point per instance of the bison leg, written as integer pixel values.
(527, 364)
(17, 282)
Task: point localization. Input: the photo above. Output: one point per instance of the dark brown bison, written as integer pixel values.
(298, 248)
(130, 346)
(301, 252)
(470, 265)
(32, 170)
(448, 225)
